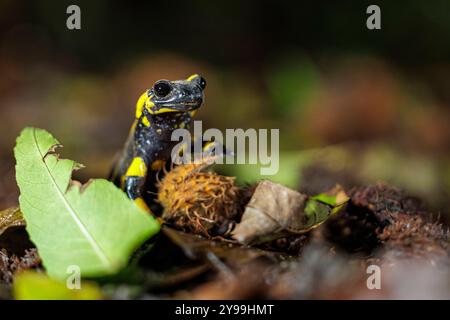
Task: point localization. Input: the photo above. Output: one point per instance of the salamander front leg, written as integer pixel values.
(134, 182)
(133, 188)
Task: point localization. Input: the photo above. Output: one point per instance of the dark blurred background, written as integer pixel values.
(353, 105)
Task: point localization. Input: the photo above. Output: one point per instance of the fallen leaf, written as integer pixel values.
(275, 211)
(92, 226)
(11, 217)
(197, 247)
(32, 285)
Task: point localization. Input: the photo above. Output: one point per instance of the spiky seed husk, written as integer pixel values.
(198, 201)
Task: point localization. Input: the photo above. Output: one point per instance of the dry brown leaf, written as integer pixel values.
(275, 211)
(11, 217)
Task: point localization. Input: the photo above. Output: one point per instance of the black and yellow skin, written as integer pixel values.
(168, 105)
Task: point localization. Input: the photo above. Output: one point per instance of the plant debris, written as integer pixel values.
(11, 263)
(197, 201)
(265, 240)
(409, 230)
(196, 247)
(11, 217)
(379, 225)
(383, 218)
(275, 211)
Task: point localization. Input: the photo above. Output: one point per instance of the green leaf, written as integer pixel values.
(316, 213)
(93, 226)
(31, 285)
(321, 206)
(325, 198)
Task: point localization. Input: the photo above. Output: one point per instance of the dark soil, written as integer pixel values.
(10, 263)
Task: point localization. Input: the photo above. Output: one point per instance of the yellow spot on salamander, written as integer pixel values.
(209, 146)
(162, 110)
(192, 77)
(145, 121)
(137, 168)
(140, 104)
(141, 204)
(144, 102)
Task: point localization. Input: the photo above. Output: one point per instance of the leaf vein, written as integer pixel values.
(97, 248)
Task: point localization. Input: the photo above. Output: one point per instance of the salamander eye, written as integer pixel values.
(202, 83)
(162, 88)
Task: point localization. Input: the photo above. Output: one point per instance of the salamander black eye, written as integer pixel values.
(202, 83)
(162, 89)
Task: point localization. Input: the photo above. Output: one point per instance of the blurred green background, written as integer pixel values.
(353, 106)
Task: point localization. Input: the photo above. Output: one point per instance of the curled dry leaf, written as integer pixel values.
(11, 217)
(275, 211)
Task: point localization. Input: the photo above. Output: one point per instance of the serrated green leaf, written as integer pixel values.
(31, 285)
(94, 226)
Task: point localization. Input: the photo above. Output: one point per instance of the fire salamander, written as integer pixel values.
(168, 105)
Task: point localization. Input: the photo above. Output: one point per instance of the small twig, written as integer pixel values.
(219, 265)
